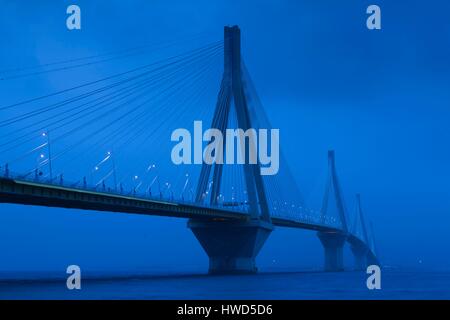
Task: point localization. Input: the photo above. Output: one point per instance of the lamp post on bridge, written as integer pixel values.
(113, 156)
(47, 135)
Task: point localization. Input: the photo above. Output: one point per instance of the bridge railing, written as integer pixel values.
(307, 216)
(299, 214)
(81, 185)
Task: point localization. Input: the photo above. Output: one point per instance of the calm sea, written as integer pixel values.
(274, 285)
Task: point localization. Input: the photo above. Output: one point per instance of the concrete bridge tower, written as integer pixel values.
(232, 246)
(360, 250)
(333, 242)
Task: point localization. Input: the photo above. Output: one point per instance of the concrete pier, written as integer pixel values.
(372, 259)
(231, 246)
(333, 244)
(360, 253)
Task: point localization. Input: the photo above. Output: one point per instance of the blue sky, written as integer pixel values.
(379, 98)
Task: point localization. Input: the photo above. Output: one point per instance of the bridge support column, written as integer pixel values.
(333, 244)
(371, 259)
(360, 254)
(231, 246)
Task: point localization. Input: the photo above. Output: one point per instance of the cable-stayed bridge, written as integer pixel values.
(110, 134)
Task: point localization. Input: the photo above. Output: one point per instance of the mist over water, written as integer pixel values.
(286, 285)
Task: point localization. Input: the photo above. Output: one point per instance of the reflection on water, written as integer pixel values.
(304, 285)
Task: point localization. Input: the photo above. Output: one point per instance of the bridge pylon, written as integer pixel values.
(360, 250)
(333, 242)
(372, 256)
(232, 246)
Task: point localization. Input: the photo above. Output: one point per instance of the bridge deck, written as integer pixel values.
(41, 194)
